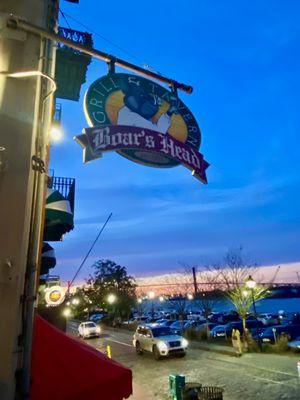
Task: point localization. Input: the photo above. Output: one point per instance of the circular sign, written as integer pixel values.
(123, 99)
(54, 295)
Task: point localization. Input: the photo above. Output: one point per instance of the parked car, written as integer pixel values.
(204, 326)
(255, 332)
(196, 316)
(179, 326)
(160, 341)
(161, 320)
(218, 331)
(88, 329)
(216, 317)
(250, 324)
(295, 344)
(268, 319)
(232, 316)
(135, 320)
(269, 334)
(96, 317)
(296, 318)
(165, 322)
(233, 325)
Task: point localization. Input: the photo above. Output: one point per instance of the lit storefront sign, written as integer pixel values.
(54, 296)
(143, 122)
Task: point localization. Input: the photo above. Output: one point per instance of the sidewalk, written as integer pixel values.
(140, 393)
(213, 347)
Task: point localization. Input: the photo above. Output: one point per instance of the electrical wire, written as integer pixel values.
(89, 252)
(129, 53)
(65, 18)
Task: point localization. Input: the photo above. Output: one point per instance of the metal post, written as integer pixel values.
(195, 281)
(253, 302)
(15, 22)
(152, 309)
(108, 351)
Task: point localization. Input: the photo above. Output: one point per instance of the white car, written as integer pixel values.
(159, 340)
(268, 319)
(88, 329)
(295, 344)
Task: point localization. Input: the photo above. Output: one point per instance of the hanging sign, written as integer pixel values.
(143, 122)
(54, 295)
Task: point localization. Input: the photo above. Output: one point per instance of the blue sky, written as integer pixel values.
(242, 58)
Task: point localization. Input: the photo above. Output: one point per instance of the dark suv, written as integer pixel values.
(268, 336)
(250, 324)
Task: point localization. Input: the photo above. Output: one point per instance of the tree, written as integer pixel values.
(231, 275)
(180, 287)
(207, 302)
(108, 279)
(242, 299)
(83, 305)
(233, 270)
(203, 288)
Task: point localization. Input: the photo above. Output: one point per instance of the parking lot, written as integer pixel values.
(253, 376)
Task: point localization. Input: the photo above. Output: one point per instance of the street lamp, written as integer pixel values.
(67, 312)
(151, 296)
(75, 301)
(161, 298)
(55, 133)
(190, 296)
(250, 284)
(139, 307)
(111, 298)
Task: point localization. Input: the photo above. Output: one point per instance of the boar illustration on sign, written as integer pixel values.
(143, 122)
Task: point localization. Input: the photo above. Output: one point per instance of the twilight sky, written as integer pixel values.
(242, 58)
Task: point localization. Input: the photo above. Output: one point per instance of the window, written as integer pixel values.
(141, 331)
(161, 332)
(89, 325)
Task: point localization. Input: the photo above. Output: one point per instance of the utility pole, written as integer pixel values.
(195, 281)
(25, 115)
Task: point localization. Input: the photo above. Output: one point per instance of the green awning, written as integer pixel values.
(59, 218)
(48, 258)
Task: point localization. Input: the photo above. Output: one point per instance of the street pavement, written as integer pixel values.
(253, 376)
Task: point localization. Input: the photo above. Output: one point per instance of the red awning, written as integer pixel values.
(64, 368)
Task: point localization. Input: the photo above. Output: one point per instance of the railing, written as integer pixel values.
(65, 186)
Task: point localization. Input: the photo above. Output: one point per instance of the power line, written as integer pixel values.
(129, 53)
(88, 253)
(65, 18)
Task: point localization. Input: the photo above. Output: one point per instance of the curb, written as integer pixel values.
(212, 349)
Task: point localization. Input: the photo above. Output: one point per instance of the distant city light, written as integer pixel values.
(151, 295)
(161, 298)
(190, 296)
